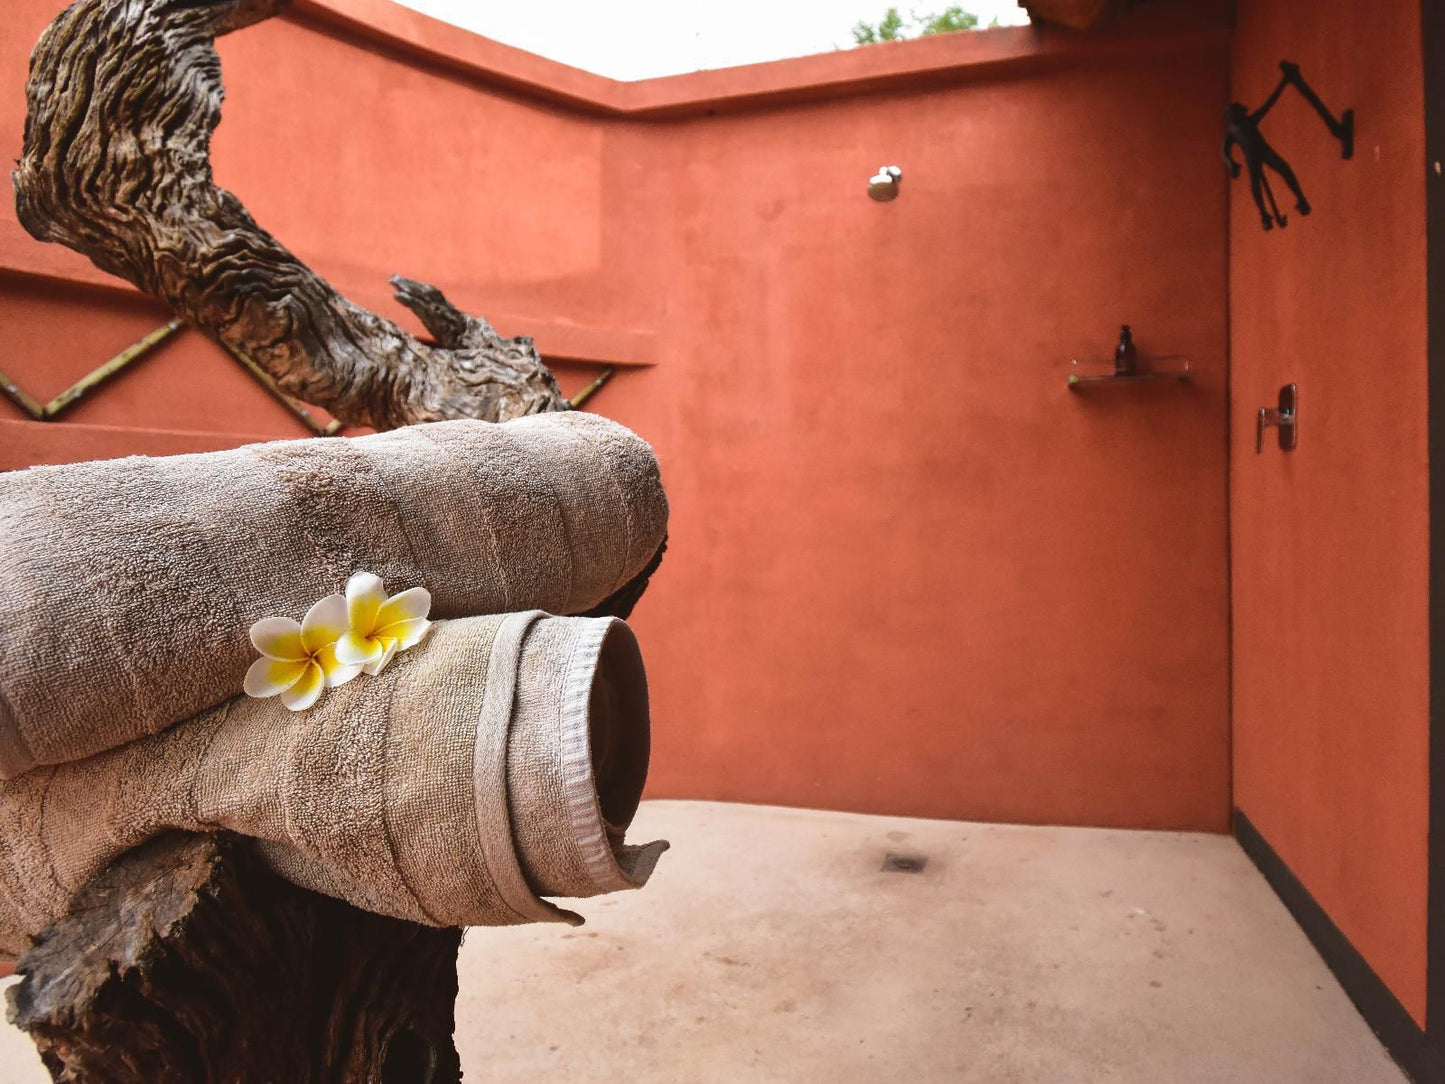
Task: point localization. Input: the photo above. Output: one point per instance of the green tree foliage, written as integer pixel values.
(894, 27)
(889, 28)
(950, 19)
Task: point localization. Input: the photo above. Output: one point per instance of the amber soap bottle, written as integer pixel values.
(1126, 357)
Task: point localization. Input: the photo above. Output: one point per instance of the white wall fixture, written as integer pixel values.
(883, 185)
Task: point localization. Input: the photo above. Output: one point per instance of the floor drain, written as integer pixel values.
(904, 863)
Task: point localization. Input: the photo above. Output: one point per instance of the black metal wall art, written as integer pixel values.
(1242, 127)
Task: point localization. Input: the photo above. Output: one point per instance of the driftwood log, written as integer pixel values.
(123, 97)
(187, 960)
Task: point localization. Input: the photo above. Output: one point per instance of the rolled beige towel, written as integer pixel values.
(127, 586)
(499, 761)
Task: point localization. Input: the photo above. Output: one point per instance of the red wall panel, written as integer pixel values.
(1330, 542)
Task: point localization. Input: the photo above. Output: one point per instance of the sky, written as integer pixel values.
(638, 39)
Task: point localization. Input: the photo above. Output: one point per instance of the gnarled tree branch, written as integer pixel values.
(123, 97)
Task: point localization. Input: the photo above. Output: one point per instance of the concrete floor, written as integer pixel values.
(770, 946)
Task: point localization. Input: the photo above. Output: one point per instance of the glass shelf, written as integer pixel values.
(1165, 370)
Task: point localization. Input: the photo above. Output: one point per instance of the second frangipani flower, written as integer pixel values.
(379, 627)
(298, 661)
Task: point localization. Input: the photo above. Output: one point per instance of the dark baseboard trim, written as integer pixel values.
(1397, 1030)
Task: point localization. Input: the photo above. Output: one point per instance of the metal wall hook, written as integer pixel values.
(1285, 417)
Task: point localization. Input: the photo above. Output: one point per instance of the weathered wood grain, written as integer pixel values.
(187, 962)
(123, 98)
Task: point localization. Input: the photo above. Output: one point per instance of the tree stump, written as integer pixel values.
(188, 962)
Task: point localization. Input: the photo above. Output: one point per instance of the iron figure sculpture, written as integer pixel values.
(1242, 128)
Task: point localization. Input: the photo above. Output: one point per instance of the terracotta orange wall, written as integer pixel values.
(912, 572)
(909, 571)
(1330, 559)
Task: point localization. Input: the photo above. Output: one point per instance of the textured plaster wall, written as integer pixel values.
(1330, 542)
(913, 572)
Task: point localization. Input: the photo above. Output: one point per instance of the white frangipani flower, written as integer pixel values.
(381, 626)
(298, 661)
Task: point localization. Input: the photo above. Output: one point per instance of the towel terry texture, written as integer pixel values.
(497, 762)
(127, 586)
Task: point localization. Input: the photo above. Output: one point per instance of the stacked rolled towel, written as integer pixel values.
(498, 762)
(127, 586)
